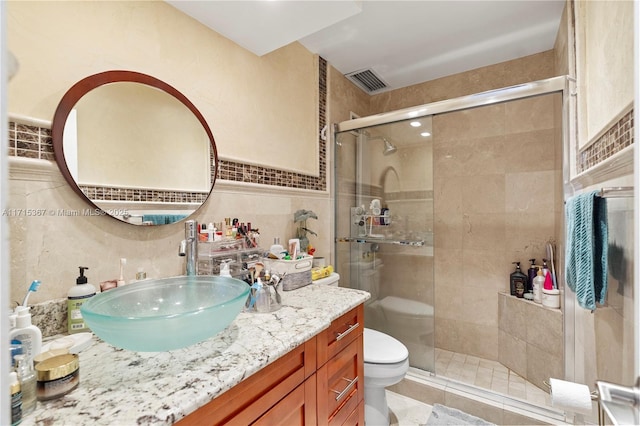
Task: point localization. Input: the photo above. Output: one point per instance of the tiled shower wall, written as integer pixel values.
(497, 197)
(30, 141)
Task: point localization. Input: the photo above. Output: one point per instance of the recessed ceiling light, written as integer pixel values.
(416, 124)
(425, 134)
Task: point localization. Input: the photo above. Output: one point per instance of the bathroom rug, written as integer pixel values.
(441, 416)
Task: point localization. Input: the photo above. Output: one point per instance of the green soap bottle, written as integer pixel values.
(78, 294)
(518, 282)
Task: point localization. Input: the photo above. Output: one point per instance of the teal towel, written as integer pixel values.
(586, 249)
(162, 219)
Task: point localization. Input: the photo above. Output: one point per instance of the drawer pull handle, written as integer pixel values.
(339, 336)
(346, 390)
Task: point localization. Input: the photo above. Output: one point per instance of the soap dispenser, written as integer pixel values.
(518, 282)
(77, 295)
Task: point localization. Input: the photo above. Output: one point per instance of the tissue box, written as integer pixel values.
(298, 272)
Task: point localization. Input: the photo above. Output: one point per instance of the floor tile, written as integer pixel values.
(489, 374)
(405, 411)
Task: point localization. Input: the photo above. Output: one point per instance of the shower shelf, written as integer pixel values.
(365, 239)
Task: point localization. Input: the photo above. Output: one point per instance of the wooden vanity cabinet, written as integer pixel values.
(271, 388)
(320, 382)
(340, 373)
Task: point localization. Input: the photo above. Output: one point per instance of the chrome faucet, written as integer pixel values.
(189, 247)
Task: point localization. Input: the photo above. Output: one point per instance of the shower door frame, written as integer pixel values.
(561, 84)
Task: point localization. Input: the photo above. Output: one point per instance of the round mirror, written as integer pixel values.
(134, 147)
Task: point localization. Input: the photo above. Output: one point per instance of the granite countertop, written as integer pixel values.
(132, 388)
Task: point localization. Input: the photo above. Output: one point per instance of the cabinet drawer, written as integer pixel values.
(341, 384)
(341, 332)
(245, 402)
(356, 418)
(297, 408)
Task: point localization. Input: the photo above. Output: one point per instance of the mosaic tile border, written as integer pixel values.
(30, 141)
(240, 172)
(35, 142)
(613, 140)
(106, 193)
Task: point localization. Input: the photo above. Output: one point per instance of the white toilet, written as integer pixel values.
(386, 362)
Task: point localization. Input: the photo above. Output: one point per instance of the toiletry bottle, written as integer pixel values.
(121, 280)
(234, 228)
(227, 227)
(16, 399)
(538, 284)
(224, 271)
(531, 274)
(518, 281)
(141, 274)
(211, 232)
(77, 295)
(548, 278)
(545, 267)
(29, 335)
(202, 233)
(276, 248)
(27, 379)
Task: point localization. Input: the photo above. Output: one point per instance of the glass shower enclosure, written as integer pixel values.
(384, 210)
(433, 204)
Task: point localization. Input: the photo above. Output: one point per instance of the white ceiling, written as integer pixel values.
(402, 42)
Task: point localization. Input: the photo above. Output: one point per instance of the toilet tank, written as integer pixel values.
(332, 280)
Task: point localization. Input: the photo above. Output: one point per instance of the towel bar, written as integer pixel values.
(616, 191)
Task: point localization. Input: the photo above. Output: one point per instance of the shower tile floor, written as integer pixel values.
(489, 375)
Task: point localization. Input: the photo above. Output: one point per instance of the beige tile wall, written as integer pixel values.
(496, 185)
(55, 44)
(530, 339)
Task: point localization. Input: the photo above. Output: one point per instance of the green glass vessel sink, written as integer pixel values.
(165, 314)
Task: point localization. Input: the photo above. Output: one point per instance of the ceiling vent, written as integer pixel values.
(367, 80)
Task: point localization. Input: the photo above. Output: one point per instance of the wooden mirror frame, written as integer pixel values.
(87, 84)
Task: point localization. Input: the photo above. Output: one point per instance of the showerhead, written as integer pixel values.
(389, 148)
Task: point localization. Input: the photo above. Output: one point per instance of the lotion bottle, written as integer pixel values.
(77, 295)
(29, 335)
(538, 284)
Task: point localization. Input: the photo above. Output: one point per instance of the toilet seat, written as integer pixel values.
(380, 348)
